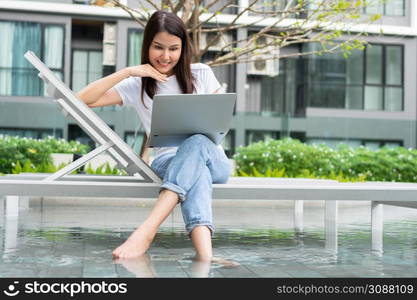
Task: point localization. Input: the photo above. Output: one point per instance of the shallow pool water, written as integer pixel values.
(77, 242)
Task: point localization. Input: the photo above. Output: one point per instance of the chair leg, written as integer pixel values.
(11, 206)
(331, 224)
(377, 226)
(11, 213)
(298, 216)
(10, 235)
(23, 202)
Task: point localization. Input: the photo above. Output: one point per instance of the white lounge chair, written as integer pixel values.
(143, 182)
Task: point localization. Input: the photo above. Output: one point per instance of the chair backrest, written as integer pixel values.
(92, 124)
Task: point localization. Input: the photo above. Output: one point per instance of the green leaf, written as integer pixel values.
(27, 167)
(268, 172)
(99, 170)
(17, 169)
(108, 169)
(89, 169)
(243, 173)
(256, 173)
(375, 17)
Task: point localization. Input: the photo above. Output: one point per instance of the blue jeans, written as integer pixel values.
(190, 173)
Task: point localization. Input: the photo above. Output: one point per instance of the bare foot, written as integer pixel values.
(140, 266)
(225, 263)
(201, 267)
(136, 245)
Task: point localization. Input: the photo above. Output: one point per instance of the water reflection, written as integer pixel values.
(143, 267)
(38, 247)
(140, 266)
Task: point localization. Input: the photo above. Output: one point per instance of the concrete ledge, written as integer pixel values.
(149, 202)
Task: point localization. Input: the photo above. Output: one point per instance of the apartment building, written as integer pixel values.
(368, 99)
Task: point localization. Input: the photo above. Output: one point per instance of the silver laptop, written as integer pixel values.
(176, 117)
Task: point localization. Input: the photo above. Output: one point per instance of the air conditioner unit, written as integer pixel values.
(263, 64)
(109, 44)
(221, 41)
(109, 33)
(109, 54)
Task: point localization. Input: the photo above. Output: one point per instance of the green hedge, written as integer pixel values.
(29, 167)
(291, 158)
(15, 151)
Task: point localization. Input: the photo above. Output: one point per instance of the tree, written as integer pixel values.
(273, 25)
(279, 23)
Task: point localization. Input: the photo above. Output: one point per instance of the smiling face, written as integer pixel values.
(165, 52)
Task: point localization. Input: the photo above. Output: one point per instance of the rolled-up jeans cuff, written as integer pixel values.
(174, 188)
(189, 227)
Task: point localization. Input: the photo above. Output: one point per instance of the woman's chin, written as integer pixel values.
(161, 70)
(166, 72)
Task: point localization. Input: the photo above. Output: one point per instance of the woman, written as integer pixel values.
(189, 170)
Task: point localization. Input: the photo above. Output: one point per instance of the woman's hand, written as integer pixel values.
(147, 71)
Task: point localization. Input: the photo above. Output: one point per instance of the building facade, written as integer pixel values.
(368, 99)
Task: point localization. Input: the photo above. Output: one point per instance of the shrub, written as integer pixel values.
(20, 150)
(28, 167)
(291, 158)
(104, 169)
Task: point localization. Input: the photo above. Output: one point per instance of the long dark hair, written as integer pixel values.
(162, 21)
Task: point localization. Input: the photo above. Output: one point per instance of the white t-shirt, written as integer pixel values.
(130, 90)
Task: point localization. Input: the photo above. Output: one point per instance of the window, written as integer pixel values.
(384, 82)
(326, 78)
(33, 133)
(354, 81)
(134, 140)
(268, 90)
(375, 145)
(273, 6)
(134, 47)
(266, 95)
(76, 133)
(228, 143)
(253, 136)
(354, 143)
(393, 90)
(225, 74)
(386, 8)
(368, 80)
(86, 68)
(332, 143)
(17, 76)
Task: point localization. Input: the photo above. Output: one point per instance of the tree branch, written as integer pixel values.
(212, 3)
(306, 20)
(167, 3)
(188, 6)
(212, 16)
(130, 12)
(153, 4)
(311, 40)
(178, 6)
